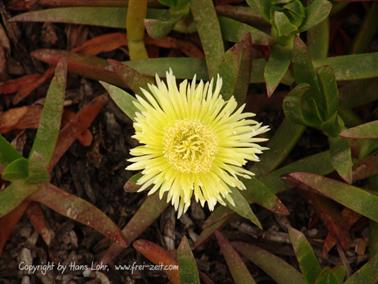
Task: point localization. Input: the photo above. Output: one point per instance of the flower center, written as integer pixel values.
(190, 146)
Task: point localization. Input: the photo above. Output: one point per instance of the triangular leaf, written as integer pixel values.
(18, 169)
(7, 152)
(242, 207)
(49, 127)
(187, 263)
(307, 260)
(123, 99)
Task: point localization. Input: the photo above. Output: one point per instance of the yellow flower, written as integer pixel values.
(193, 142)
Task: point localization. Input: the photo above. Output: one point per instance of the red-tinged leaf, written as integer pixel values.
(205, 279)
(27, 117)
(133, 79)
(86, 137)
(27, 89)
(331, 217)
(350, 218)
(84, 65)
(261, 194)
(216, 220)
(238, 269)
(12, 86)
(130, 185)
(20, 118)
(186, 47)
(365, 168)
(102, 43)
(38, 220)
(364, 131)
(188, 266)
(76, 126)
(149, 211)
(78, 210)
(356, 199)
(17, 5)
(9, 221)
(82, 3)
(112, 41)
(158, 255)
(235, 70)
(279, 270)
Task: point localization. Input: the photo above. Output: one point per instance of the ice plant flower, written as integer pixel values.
(193, 142)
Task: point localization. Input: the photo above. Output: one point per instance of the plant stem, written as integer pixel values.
(136, 12)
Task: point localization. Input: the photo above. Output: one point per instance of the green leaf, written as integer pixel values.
(366, 89)
(316, 12)
(235, 70)
(276, 67)
(332, 126)
(234, 31)
(341, 157)
(329, 90)
(261, 194)
(238, 269)
(188, 266)
(356, 199)
(183, 68)
(14, 194)
(279, 270)
(282, 27)
(304, 73)
(114, 17)
(157, 28)
(123, 99)
(111, 17)
(7, 152)
(318, 40)
(364, 131)
(209, 31)
(292, 104)
(367, 274)
(307, 260)
(263, 6)
(352, 67)
(146, 214)
(241, 207)
(175, 3)
(295, 11)
(333, 275)
(49, 127)
(280, 145)
(18, 169)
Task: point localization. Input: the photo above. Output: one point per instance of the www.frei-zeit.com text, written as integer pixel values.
(70, 267)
